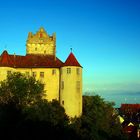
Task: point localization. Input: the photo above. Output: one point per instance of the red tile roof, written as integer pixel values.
(29, 61)
(5, 59)
(136, 106)
(71, 61)
(130, 107)
(129, 129)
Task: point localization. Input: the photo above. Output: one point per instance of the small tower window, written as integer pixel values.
(62, 85)
(78, 85)
(63, 102)
(35, 49)
(68, 70)
(78, 71)
(44, 52)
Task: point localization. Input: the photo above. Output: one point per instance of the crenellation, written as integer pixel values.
(41, 43)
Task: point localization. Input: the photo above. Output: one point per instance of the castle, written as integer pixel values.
(62, 80)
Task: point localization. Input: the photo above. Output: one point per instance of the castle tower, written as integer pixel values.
(41, 43)
(62, 81)
(71, 87)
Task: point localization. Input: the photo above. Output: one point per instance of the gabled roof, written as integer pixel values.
(131, 107)
(5, 59)
(29, 61)
(121, 119)
(129, 129)
(71, 61)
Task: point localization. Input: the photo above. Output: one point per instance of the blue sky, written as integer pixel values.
(104, 35)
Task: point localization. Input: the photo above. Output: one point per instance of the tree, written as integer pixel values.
(98, 121)
(50, 112)
(16, 93)
(23, 109)
(19, 89)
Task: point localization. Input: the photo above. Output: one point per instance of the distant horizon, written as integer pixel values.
(118, 98)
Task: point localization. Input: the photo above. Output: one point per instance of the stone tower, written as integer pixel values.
(71, 86)
(62, 80)
(41, 43)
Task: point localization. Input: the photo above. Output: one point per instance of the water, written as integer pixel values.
(121, 98)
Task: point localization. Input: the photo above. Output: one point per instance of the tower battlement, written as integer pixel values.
(41, 43)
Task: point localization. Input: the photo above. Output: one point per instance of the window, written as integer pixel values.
(42, 74)
(63, 102)
(34, 74)
(78, 71)
(44, 52)
(8, 72)
(62, 85)
(78, 85)
(53, 71)
(68, 70)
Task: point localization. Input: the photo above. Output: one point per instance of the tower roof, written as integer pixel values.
(71, 61)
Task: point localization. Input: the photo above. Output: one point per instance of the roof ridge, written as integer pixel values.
(29, 61)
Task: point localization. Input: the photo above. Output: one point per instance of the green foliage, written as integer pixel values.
(51, 112)
(10, 115)
(20, 89)
(98, 121)
(23, 109)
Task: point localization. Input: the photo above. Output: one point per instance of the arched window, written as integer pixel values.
(63, 102)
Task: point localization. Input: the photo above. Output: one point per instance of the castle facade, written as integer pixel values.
(62, 80)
